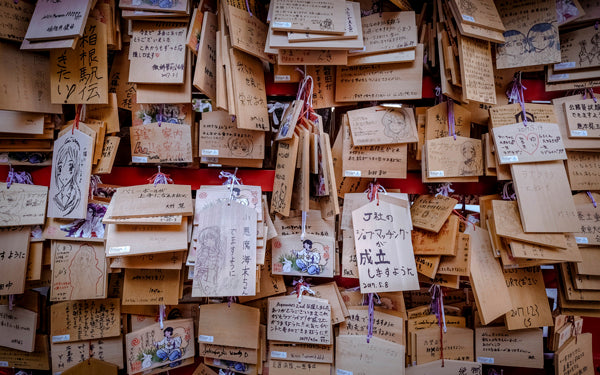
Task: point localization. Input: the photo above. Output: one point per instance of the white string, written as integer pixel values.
(304, 216)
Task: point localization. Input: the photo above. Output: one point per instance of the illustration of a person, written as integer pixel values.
(514, 45)
(542, 37)
(210, 250)
(595, 51)
(90, 227)
(237, 196)
(395, 125)
(169, 347)
(66, 174)
(469, 165)
(308, 259)
(84, 274)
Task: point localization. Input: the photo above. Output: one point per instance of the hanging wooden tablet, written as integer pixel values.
(431, 212)
(388, 324)
(151, 286)
(153, 347)
(436, 125)
(388, 31)
(307, 321)
(526, 143)
(487, 280)
(531, 36)
(507, 222)
(445, 367)
(544, 196)
(18, 328)
(522, 348)
(77, 80)
(36, 360)
(457, 344)
(398, 81)
(583, 169)
(449, 157)
(22, 204)
(287, 152)
(128, 240)
(78, 271)
(443, 242)
(13, 259)
(58, 20)
(92, 366)
(352, 28)
(219, 136)
(249, 91)
(383, 248)
(206, 63)
(161, 143)
(85, 320)
(461, 263)
(226, 253)
(70, 179)
(319, 16)
(229, 325)
(481, 13)
(167, 94)
(476, 69)
(528, 296)
(387, 357)
(571, 253)
(248, 33)
(575, 357)
(312, 256)
(150, 200)
(582, 118)
(578, 49)
(155, 58)
(380, 126)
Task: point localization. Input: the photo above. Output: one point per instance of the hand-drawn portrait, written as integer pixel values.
(278, 201)
(395, 124)
(67, 175)
(311, 259)
(542, 37)
(587, 57)
(287, 122)
(514, 45)
(153, 347)
(85, 276)
(240, 147)
(90, 227)
(469, 165)
(211, 249)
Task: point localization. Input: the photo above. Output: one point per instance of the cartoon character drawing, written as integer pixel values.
(595, 51)
(469, 165)
(147, 361)
(90, 227)
(308, 259)
(67, 174)
(542, 37)
(84, 273)
(169, 348)
(240, 147)
(210, 250)
(395, 125)
(287, 265)
(514, 45)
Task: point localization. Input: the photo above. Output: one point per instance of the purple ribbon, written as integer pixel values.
(515, 94)
(451, 124)
(248, 8)
(11, 302)
(437, 304)
(444, 190)
(508, 193)
(18, 177)
(438, 95)
(591, 92)
(160, 178)
(589, 193)
(230, 300)
(371, 318)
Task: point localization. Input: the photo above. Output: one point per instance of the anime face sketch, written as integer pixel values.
(542, 37)
(308, 259)
(240, 147)
(587, 57)
(469, 161)
(67, 174)
(514, 44)
(169, 348)
(211, 250)
(395, 124)
(84, 274)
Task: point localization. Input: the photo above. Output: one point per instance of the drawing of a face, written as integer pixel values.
(514, 45)
(67, 168)
(394, 123)
(541, 36)
(85, 256)
(468, 151)
(240, 146)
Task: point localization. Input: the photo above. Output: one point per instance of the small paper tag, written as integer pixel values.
(209, 160)
(216, 362)
(203, 338)
(436, 173)
(276, 354)
(139, 159)
(509, 159)
(486, 360)
(119, 249)
(348, 173)
(282, 24)
(565, 65)
(557, 77)
(207, 152)
(214, 165)
(61, 338)
(343, 372)
(468, 18)
(581, 239)
(281, 78)
(578, 133)
(358, 50)
(3, 364)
